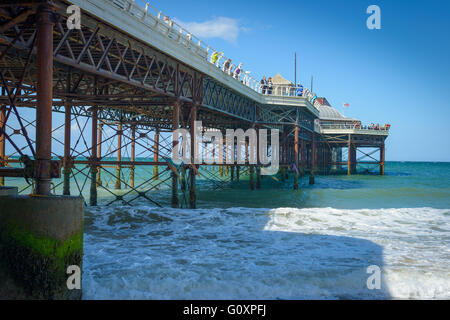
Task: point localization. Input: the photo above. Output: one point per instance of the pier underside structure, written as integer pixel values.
(347, 145)
(87, 107)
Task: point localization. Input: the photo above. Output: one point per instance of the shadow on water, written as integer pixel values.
(399, 174)
(276, 193)
(328, 266)
(337, 183)
(234, 253)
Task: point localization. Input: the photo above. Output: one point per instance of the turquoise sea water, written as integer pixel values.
(405, 185)
(276, 243)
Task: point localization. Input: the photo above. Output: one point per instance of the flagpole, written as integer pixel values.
(295, 68)
(344, 105)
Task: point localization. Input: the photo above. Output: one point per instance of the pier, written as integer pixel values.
(117, 88)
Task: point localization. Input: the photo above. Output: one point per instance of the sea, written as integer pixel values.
(345, 237)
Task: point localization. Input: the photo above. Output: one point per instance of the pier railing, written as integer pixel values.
(156, 20)
(286, 90)
(162, 23)
(355, 127)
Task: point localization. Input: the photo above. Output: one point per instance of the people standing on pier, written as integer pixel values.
(169, 22)
(215, 56)
(227, 66)
(247, 78)
(269, 86)
(299, 90)
(263, 85)
(237, 71)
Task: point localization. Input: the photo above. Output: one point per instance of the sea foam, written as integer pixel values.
(143, 252)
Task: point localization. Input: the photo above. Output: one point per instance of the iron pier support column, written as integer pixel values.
(246, 156)
(258, 165)
(94, 160)
(251, 159)
(183, 178)
(175, 142)
(192, 191)
(329, 154)
(67, 159)
(354, 160)
(349, 156)
(2, 138)
(233, 160)
(282, 151)
(286, 147)
(156, 155)
(42, 235)
(258, 177)
(118, 185)
(133, 154)
(44, 92)
(302, 157)
(205, 155)
(382, 158)
(67, 137)
(291, 152)
(213, 157)
(339, 158)
(313, 158)
(2, 142)
(252, 173)
(334, 158)
(296, 145)
(286, 171)
(99, 152)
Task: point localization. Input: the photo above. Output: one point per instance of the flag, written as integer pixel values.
(346, 105)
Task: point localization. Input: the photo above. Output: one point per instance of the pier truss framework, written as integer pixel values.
(118, 99)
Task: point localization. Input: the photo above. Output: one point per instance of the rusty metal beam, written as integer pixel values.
(14, 21)
(45, 23)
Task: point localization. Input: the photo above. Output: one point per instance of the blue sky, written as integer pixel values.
(398, 75)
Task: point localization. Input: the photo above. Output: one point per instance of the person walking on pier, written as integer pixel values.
(263, 85)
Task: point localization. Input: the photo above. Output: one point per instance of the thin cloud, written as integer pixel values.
(220, 27)
(74, 128)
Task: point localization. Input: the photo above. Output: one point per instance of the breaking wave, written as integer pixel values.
(144, 252)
